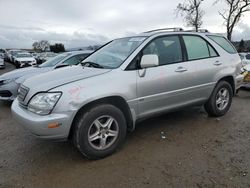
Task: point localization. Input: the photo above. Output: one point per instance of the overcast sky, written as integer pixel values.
(80, 22)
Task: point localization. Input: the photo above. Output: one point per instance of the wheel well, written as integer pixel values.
(117, 101)
(230, 80)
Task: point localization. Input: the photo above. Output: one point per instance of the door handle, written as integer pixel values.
(181, 69)
(217, 63)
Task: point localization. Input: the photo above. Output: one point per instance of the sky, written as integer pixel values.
(77, 23)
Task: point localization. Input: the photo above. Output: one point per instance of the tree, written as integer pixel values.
(41, 46)
(241, 46)
(233, 14)
(57, 47)
(192, 13)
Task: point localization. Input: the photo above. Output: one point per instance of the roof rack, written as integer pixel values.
(166, 29)
(199, 30)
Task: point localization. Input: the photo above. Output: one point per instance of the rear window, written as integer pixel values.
(224, 43)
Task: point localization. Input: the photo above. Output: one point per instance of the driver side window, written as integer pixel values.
(167, 48)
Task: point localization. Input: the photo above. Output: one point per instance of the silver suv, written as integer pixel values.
(129, 79)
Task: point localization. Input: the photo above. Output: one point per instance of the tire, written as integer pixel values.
(216, 109)
(85, 127)
(16, 64)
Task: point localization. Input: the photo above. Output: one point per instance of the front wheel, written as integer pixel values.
(220, 100)
(99, 131)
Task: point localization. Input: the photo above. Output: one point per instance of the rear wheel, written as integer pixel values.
(220, 100)
(100, 131)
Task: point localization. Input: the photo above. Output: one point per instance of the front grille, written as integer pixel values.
(26, 62)
(22, 92)
(5, 94)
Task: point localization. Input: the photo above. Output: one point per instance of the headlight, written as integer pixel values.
(43, 103)
(9, 80)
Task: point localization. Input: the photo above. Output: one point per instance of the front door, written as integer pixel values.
(167, 85)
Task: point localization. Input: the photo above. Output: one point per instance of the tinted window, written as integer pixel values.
(197, 47)
(224, 43)
(168, 49)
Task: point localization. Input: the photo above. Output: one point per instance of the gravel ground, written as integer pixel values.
(181, 149)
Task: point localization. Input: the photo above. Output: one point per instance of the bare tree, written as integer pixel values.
(192, 13)
(233, 13)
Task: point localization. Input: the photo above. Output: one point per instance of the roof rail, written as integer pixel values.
(166, 29)
(199, 30)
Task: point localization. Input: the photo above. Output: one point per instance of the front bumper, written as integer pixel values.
(10, 88)
(27, 64)
(239, 81)
(38, 125)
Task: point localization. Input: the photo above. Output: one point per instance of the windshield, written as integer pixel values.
(55, 60)
(115, 53)
(23, 55)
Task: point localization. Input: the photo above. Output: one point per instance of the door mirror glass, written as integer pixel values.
(150, 60)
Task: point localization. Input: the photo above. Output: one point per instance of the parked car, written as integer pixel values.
(45, 56)
(12, 53)
(127, 80)
(245, 58)
(246, 73)
(3, 54)
(24, 60)
(2, 63)
(10, 82)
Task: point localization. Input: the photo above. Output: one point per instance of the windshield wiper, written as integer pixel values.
(91, 64)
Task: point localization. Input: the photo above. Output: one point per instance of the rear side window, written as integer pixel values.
(197, 48)
(224, 43)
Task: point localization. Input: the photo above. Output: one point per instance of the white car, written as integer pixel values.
(11, 54)
(24, 60)
(2, 64)
(245, 58)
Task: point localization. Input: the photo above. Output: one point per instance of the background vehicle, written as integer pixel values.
(3, 54)
(45, 56)
(11, 54)
(245, 58)
(23, 60)
(246, 81)
(127, 80)
(10, 82)
(2, 63)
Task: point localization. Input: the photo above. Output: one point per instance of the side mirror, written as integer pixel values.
(61, 65)
(150, 60)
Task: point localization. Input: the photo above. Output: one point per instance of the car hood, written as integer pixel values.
(62, 76)
(24, 72)
(24, 59)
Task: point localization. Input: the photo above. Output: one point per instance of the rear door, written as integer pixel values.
(205, 62)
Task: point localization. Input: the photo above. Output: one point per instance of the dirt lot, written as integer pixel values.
(181, 149)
